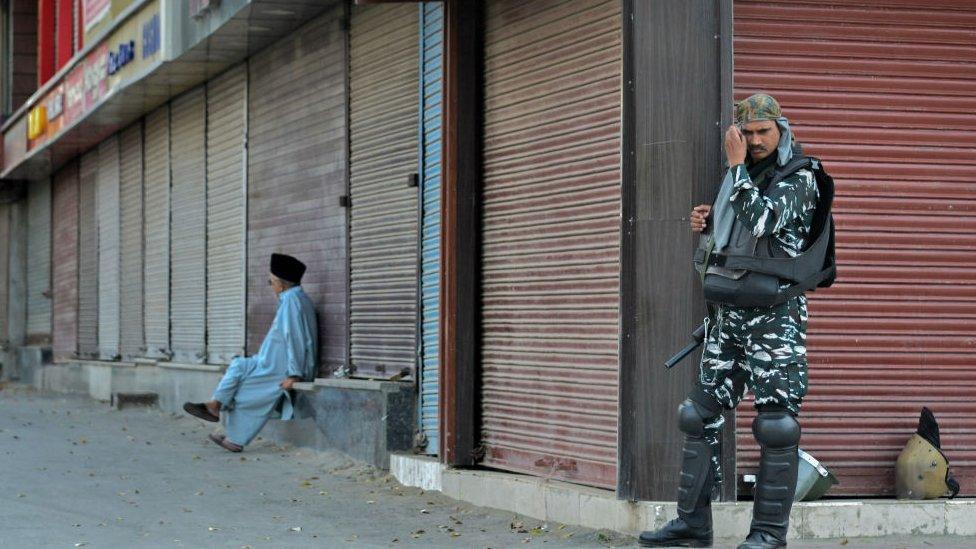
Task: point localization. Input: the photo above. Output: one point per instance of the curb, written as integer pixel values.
(562, 502)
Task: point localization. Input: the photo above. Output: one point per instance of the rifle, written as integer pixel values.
(696, 339)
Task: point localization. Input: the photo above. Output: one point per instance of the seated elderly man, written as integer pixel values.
(257, 388)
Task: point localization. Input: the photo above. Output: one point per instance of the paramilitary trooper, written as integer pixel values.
(769, 204)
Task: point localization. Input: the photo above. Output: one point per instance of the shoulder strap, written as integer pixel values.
(796, 164)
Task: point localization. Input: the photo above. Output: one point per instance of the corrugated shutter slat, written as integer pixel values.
(551, 238)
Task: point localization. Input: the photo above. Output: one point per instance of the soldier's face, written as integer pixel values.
(762, 137)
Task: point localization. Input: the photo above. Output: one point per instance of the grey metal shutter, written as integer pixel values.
(107, 212)
(189, 229)
(383, 144)
(17, 276)
(551, 239)
(296, 174)
(87, 258)
(130, 189)
(156, 218)
(39, 263)
(4, 272)
(65, 261)
(226, 223)
(432, 99)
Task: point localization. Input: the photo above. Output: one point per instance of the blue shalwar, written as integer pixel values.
(250, 391)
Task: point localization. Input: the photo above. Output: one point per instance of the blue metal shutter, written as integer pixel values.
(432, 98)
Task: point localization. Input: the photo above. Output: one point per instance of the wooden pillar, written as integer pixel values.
(460, 227)
(677, 100)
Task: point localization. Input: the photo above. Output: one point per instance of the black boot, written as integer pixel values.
(693, 527)
(778, 433)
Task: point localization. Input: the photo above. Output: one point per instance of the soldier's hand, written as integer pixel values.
(699, 217)
(735, 146)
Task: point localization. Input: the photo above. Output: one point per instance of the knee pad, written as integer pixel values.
(692, 418)
(777, 429)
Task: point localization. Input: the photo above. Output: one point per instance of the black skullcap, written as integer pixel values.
(287, 268)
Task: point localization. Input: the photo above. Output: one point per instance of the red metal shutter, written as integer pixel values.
(296, 174)
(884, 92)
(551, 239)
(65, 265)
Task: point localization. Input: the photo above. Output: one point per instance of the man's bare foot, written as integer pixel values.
(213, 407)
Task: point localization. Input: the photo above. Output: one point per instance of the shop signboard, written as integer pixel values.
(122, 57)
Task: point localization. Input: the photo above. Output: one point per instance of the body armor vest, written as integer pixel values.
(756, 272)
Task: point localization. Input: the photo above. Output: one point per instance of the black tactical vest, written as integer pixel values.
(755, 272)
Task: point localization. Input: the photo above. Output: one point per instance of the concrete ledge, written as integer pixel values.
(364, 419)
(423, 472)
(99, 380)
(361, 384)
(561, 502)
(191, 367)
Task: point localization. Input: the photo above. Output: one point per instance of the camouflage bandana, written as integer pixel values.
(757, 107)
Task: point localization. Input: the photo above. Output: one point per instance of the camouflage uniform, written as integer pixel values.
(762, 348)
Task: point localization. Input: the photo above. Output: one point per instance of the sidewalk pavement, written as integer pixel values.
(76, 473)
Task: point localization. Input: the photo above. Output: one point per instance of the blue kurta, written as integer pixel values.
(250, 390)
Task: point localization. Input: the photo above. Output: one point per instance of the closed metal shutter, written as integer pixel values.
(189, 229)
(39, 263)
(226, 226)
(107, 212)
(296, 176)
(383, 135)
(64, 223)
(17, 275)
(432, 99)
(156, 219)
(884, 93)
(88, 258)
(4, 273)
(131, 313)
(551, 239)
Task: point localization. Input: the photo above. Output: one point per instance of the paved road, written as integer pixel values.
(75, 473)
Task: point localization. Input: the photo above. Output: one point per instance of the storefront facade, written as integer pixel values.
(492, 206)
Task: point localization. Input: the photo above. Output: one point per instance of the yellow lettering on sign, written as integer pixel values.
(36, 122)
